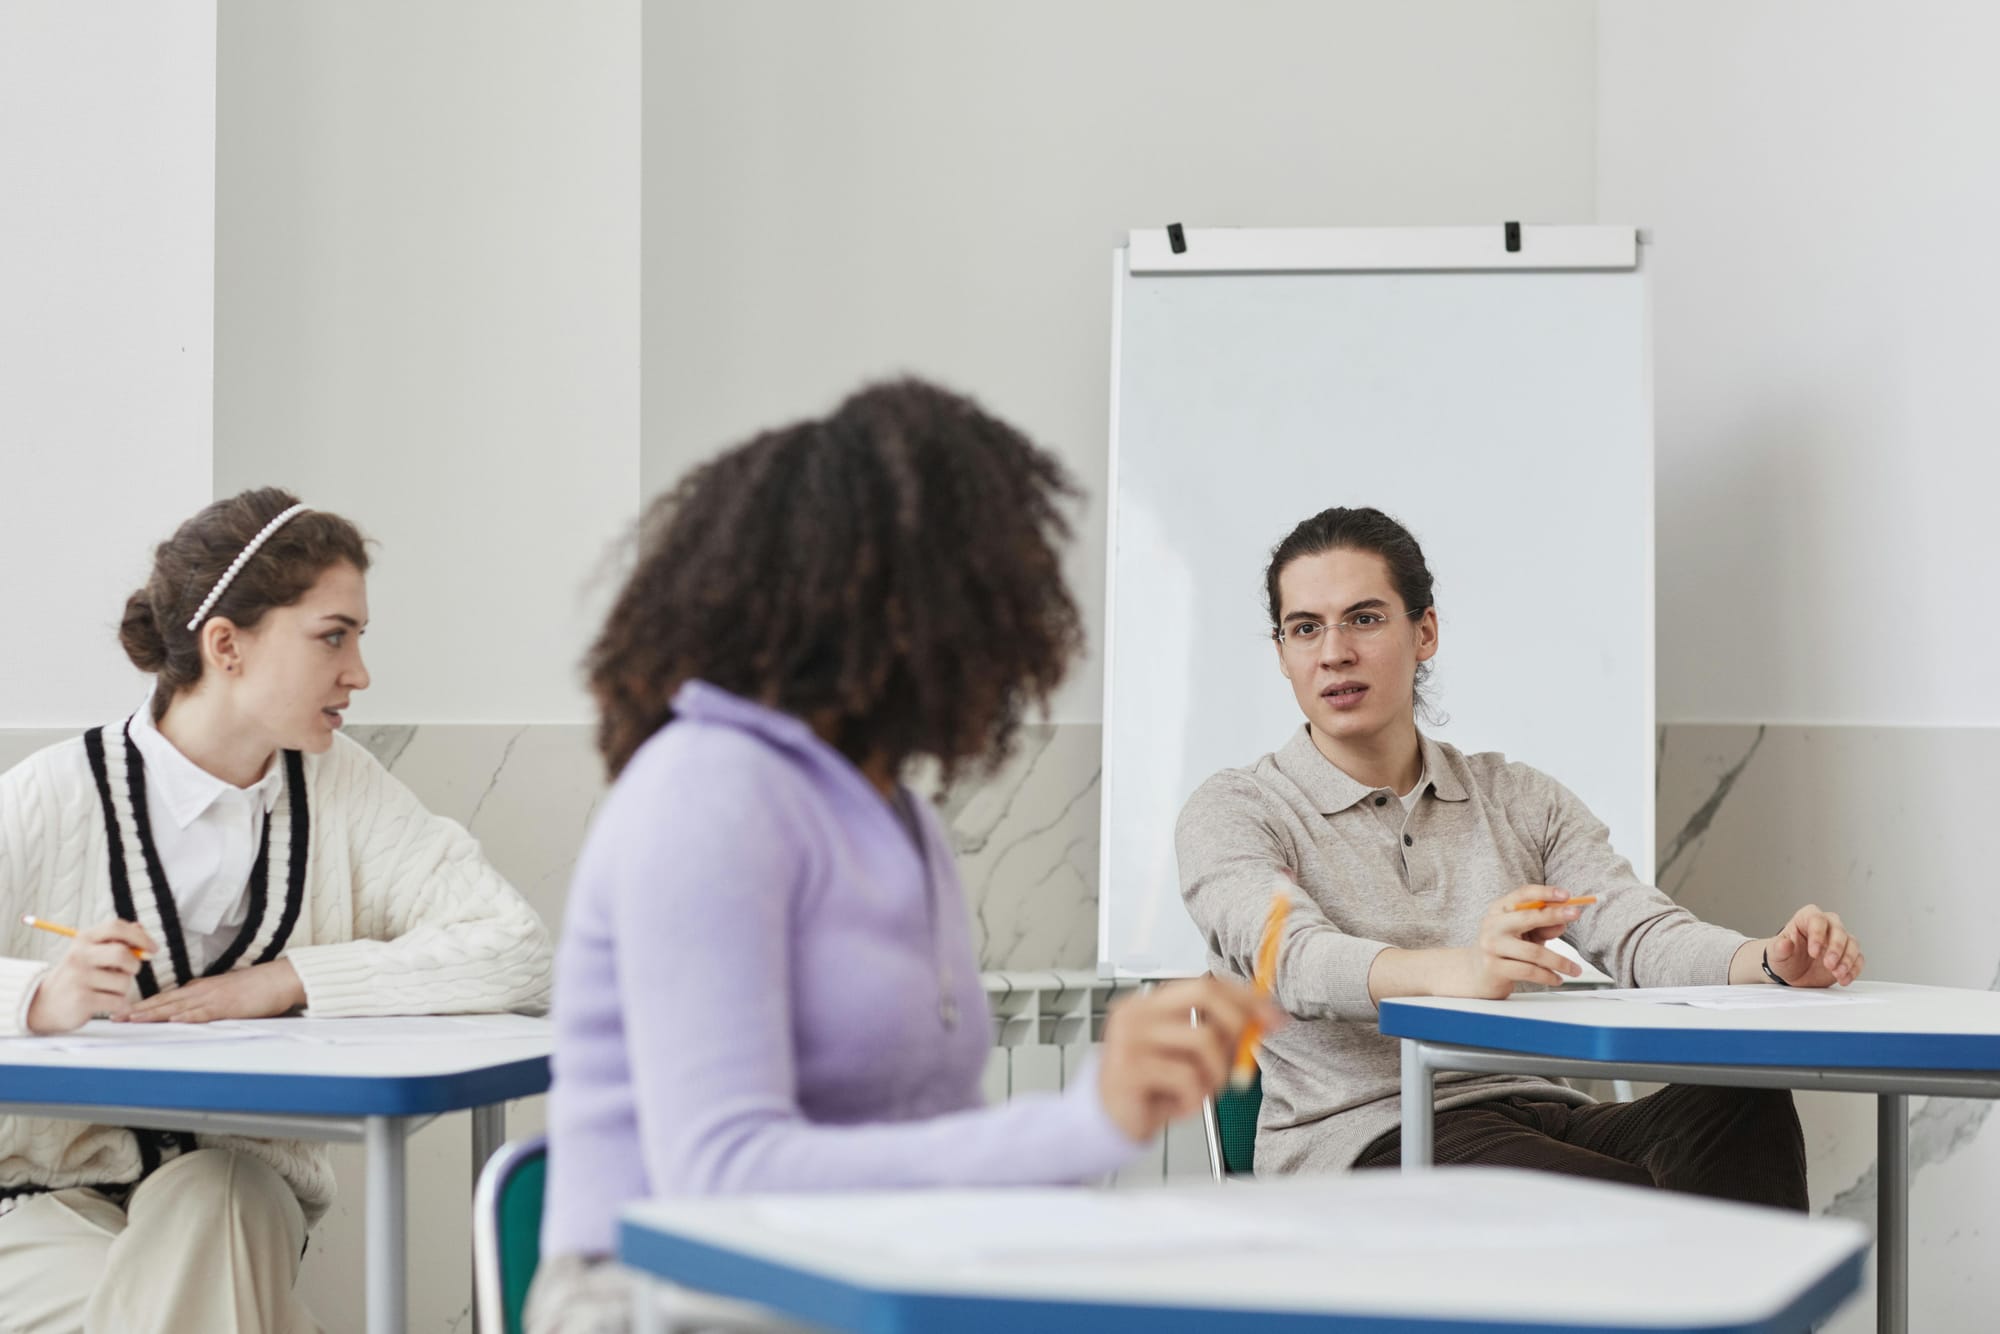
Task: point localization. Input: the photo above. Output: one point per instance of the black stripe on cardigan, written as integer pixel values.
(163, 894)
(121, 888)
(260, 874)
(295, 871)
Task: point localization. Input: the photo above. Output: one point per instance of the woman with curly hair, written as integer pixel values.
(766, 980)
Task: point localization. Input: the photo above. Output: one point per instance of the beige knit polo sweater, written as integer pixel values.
(1371, 877)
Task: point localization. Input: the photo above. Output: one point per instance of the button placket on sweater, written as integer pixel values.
(1406, 841)
(1396, 822)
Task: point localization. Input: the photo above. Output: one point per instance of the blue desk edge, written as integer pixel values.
(1526, 1032)
(837, 1303)
(276, 1094)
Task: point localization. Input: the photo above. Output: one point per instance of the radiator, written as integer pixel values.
(1044, 1023)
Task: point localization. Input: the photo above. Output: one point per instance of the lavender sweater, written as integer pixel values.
(752, 987)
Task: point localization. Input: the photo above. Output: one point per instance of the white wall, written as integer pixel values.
(427, 318)
(107, 154)
(1818, 178)
(835, 192)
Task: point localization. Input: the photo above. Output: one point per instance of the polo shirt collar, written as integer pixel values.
(1333, 790)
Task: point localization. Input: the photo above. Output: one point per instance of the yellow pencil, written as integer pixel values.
(1245, 1068)
(1577, 902)
(70, 931)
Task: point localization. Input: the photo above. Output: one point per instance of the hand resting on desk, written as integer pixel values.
(1814, 950)
(94, 977)
(257, 992)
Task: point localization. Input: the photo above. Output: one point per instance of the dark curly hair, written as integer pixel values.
(153, 630)
(890, 573)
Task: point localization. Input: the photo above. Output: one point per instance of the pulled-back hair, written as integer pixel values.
(187, 565)
(890, 572)
(1359, 529)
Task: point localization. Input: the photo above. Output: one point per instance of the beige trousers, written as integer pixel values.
(573, 1294)
(208, 1244)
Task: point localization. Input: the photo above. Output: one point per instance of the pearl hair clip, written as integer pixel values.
(222, 584)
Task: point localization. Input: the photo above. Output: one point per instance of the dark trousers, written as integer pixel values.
(1728, 1143)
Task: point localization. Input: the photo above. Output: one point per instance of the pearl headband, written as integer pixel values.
(235, 566)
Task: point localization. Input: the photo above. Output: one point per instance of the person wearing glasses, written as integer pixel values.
(1411, 858)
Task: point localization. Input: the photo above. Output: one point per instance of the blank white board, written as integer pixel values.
(1498, 403)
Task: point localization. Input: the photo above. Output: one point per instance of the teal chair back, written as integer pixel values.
(1230, 1119)
(507, 1232)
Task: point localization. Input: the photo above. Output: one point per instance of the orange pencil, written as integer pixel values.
(31, 920)
(1245, 1068)
(1576, 902)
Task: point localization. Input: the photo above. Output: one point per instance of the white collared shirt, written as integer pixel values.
(206, 832)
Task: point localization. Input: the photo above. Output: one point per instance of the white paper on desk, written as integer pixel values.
(1082, 1227)
(400, 1030)
(1737, 998)
(102, 1034)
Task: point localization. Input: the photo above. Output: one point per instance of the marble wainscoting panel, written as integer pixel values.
(1890, 827)
(525, 791)
(1026, 839)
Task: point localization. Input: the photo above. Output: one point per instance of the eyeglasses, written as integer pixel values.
(1302, 636)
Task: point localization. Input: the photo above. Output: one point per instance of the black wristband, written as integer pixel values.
(1767, 969)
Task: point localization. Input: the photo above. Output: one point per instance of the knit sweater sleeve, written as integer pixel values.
(40, 872)
(1635, 933)
(436, 930)
(1232, 854)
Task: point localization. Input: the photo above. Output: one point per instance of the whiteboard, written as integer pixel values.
(1498, 403)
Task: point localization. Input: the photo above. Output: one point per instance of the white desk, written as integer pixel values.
(375, 1094)
(1448, 1252)
(1935, 1041)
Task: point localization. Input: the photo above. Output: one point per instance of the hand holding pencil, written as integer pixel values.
(56, 929)
(93, 977)
(1513, 944)
(1156, 1066)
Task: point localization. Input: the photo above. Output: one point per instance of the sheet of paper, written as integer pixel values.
(1737, 998)
(1085, 1226)
(1028, 1229)
(102, 1035)
(400, 1030)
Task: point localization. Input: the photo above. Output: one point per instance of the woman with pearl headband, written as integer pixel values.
(263, 864)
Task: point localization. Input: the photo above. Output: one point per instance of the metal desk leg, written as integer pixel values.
(1892, 1213)
(1418, 1084)
(387, 1139)
(489, 1132)
(647, 1317)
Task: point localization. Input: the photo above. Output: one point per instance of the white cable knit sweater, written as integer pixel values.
(382, 907)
